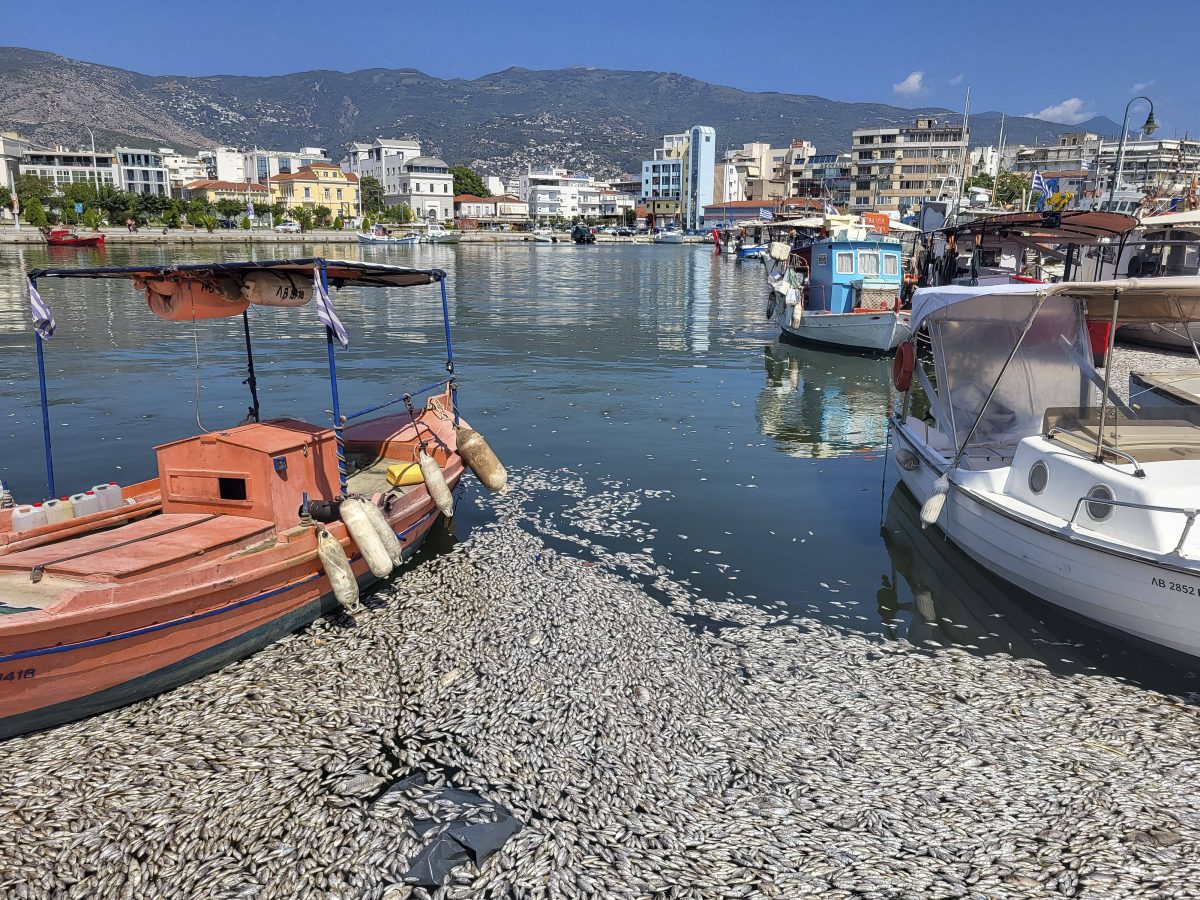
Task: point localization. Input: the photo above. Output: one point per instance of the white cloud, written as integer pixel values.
(911, 86)
(957, 80)
(1069, 112)
(1141, 86)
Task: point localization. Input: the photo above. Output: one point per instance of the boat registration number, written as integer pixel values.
(1173, 586)
(17, 674)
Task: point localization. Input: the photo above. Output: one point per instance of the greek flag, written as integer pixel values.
(43, 322)
(830, 209)
(766, 215)
(1039, 185)
(325, 311)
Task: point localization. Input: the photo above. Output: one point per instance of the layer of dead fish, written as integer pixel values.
(761, 756)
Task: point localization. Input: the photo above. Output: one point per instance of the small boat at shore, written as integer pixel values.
(669, 236)
(437, 234)
(246, 533)
(68, 237)
(381, 235)
(1038, 470)
(543, 235)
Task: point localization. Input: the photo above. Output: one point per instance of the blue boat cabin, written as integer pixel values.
(854, 274)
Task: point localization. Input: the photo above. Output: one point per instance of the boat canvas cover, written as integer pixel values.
(974, 330)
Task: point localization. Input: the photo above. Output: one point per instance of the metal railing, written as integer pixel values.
(1190, 514)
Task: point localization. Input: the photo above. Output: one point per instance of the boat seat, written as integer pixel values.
(1146, 440)
(148, 546)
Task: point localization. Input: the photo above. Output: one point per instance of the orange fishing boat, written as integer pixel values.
(246, 534)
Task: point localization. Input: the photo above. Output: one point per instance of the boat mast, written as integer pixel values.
(962, 157)
(999, 163)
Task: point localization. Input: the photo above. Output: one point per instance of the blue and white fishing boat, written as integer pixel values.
(843, 290)
(382, 235)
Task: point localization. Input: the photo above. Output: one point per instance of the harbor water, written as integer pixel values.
(649, 366)
(702, 648)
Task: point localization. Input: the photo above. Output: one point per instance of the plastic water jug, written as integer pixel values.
(109, 495)
(86, 503)
(27, 518)
(68, 506)
(57, 511)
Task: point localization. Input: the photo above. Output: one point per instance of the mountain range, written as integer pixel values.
(594, 120)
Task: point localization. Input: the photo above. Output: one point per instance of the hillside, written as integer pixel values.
(595, 120)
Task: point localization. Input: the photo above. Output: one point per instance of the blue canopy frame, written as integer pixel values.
(339, 273)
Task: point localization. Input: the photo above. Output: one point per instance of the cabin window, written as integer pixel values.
(891, 264)
(822, 259)
(868, 263)
(845, 263)
(231, 488)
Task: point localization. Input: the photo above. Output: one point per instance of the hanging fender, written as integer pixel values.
(771, 305)
(903, 364)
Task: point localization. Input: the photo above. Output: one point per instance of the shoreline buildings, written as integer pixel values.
(677, 183)
(894, 169)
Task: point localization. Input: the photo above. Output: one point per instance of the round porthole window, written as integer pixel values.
(1038, 476)
(1097, 508)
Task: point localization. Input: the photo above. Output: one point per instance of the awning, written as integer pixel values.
(341, 272)
(1141, 300)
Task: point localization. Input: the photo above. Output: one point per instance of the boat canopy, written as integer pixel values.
(1139, 300)
(1083, 227)
(341, 272)
(1003, 355)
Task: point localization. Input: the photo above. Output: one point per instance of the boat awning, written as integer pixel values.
(341, 272)
(1188, 219)
(1083, 227)
(1141, 300)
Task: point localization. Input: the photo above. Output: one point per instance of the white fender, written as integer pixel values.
(391, 543)
(363, 533)
(337, 567)
(435, 483)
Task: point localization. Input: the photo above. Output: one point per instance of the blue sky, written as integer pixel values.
(1063, 62)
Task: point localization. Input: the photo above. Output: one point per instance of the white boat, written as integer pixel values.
(669, 236)
(544, 235)
(437, 234)
(385, 236)
(1030, 463)
(842, 290)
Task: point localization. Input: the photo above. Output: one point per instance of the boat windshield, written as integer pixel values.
(1051, 368)
(1164, 253)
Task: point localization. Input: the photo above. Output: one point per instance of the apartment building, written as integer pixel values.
(825, 176)
(64, 166)
(553, 192)
(142, 171)
(677, 183)
(894, 169)
(181, 169)
(224, 164)
(470, 210)
(428, 188)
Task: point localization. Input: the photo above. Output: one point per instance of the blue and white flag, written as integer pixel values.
(1039, 185)
(325, 311)
(830, 209)
(1085, 164)
(766, 215)
(43, 322)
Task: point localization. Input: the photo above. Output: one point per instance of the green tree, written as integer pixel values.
(304, 218)
(245, 223)
(31, 190)
(1009, 187)
(35, 213)
(151, 206)
(323, 215)
(366, 225)
(228, 208)
(372, 194)
(208, 223)
(468, 181)
(982, 180)
(91, 218)
(406, 214)
(339, 223)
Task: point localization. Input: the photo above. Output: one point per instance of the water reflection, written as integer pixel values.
(819, 403)
(935, 593)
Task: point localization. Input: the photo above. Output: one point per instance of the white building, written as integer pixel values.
(142, 171)
(224, 164)
(428, 188)
(500, 186)
(385, 161)
(356, 153)
(181, 169)
(552, 192)
(12, 148)
(262, 165)
(64, 166)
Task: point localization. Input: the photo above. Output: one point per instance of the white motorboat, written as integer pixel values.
(669, 236)
(437, 234)
(380, 235)
(544, 235)
(1030, 463)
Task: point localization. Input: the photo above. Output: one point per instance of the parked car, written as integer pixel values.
(288, 228)
(624, 232)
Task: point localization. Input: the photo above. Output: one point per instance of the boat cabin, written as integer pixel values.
(852, 270)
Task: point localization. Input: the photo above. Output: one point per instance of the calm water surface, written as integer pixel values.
(650, 365)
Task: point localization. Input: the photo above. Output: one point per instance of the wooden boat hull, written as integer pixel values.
(77, 242)
(156, 652)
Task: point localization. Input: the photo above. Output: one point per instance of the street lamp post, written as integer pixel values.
(95, 173)
(1149, 128)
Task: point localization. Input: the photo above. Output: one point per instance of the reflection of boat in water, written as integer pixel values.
(819, 403)
(937, 593)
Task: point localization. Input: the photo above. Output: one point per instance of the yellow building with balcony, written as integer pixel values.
(318, 184)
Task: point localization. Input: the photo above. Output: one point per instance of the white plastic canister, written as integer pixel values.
(56, 511)
(27, 517)
(108, 494)
(86, 503)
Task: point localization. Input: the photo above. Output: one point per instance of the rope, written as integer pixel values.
(196, 381)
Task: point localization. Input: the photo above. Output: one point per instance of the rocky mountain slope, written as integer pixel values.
(595, 120)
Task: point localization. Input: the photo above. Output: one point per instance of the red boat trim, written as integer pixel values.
(109, 638)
